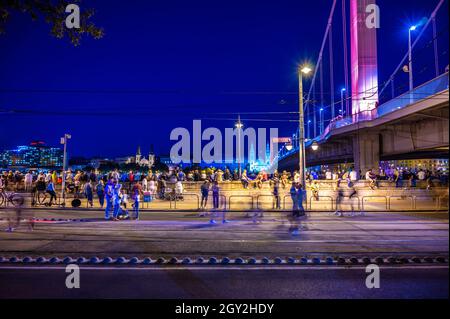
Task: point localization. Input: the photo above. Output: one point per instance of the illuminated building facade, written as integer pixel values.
(37, 154)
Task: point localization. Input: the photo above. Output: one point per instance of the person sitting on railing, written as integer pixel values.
(284, 179)
(315, 190)
(244, 179)
(371, 177)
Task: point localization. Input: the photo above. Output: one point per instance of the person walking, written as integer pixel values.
(276, 193)
(100, 190)
(215, 192)
(88, 192)
(51, 191)
(136, 195)
(109, 194)
(204, 189)
(116, 200)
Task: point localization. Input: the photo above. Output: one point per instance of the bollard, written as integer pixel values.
(291, 260)
(341, 261)
(13, 259)
(278, 260)
(27, 260)
(147, 261)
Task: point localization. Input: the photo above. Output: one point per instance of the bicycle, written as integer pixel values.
(10, 197)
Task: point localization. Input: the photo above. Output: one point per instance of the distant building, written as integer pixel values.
(139, 160)
(35, 155)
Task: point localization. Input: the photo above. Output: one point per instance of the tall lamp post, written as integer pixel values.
(63, 184)
(410, 69)
(239, 127)
(342, 102)
(301, 123)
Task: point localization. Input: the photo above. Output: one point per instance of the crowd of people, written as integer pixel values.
(116, 189)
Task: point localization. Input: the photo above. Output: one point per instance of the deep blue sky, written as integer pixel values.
(163, 63)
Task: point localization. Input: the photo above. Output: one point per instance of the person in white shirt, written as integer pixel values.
(421, 175)
(28, 181)
(353, 176)
(145, 184)
(328, 175)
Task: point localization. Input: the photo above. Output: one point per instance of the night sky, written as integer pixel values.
(163, 63)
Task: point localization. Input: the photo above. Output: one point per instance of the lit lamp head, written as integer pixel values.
(239, 125)
(413, 28)
(305, 69)
(288, 146)
(315, 146)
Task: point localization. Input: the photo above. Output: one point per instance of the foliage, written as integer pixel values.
(53, 13)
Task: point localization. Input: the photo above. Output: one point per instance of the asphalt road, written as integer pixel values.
(184, 234)
(406, 282)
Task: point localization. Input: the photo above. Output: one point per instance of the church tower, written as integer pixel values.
(138, 155)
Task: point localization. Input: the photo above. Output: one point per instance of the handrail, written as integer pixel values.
(401, 196)
(374, 196)
(325, 196)
(240, 196)
(350, 197)
(175, 199)
(266, 195)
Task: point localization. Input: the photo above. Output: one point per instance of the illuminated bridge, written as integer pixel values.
(360, 129)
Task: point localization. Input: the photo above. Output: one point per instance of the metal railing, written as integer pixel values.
(385, 198)
(403, 197)
(318, 200)
(240, 196)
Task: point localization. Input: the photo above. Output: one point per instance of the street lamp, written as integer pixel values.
(321, 120)
(342, 101)
(63, 183)
(239, 127)
(308, 132)
(411, 83)
(288, 146)
(315, 146)
(301, 123)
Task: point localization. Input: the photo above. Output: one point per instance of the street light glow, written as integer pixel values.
(315, 146)
(305, 70)
(413, 28)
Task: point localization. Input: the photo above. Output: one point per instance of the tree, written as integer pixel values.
(54, 13)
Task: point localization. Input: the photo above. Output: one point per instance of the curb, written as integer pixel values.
(302, 261)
